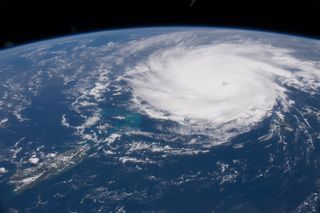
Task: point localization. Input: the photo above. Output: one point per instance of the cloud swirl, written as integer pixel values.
(222, 86)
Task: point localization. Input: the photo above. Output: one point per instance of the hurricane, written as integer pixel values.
(218, 87)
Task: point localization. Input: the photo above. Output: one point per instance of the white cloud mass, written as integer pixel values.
(218, 87)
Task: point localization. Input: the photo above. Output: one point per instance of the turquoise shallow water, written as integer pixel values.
(122, 118)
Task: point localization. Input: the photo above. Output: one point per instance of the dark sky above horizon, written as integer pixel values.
(23, 22)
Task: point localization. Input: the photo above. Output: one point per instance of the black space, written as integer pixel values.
(26, 21)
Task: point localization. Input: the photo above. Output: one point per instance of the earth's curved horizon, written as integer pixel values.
(161, 119)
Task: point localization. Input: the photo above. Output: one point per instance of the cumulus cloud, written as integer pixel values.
(2, 170)
(112, 138)
(3, 122)
(92, 120)
(64, 121)
(34, 160)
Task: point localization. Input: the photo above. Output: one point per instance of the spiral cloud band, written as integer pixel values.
(218, 86)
